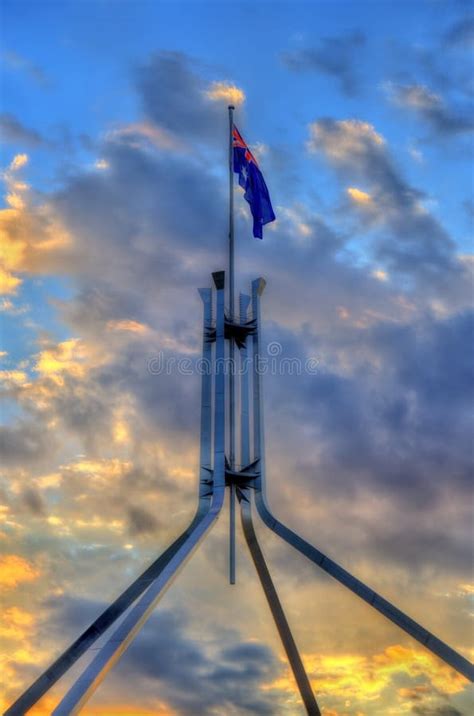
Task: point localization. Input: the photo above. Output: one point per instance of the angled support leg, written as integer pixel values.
(411, 627)
(118, 642)
(276, 609)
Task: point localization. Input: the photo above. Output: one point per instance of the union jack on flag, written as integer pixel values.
(252, 181)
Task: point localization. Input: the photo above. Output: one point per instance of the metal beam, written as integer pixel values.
(276, 609)
(410, 626)
(244, 387)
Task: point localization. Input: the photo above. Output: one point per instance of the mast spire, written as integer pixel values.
(231, 351)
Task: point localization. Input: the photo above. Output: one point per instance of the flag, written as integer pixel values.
(251, 179)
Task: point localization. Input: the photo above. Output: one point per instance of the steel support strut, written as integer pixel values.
(109, 616)
(411, 627)
(276, 609)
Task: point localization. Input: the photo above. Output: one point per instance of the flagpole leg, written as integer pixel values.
(231, 354)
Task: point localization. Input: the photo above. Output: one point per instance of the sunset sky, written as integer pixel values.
(114, 208)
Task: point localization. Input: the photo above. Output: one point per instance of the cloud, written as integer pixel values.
(19, 63)
(142, 134)
(9, 284)
(461, 34)
(416, 243)
(361, 198)
(24, 443)
(220, 678)
(431, 109)
(226, 92)
(178, 99)
(141, 521)
(14, 132)
(443, 710)
(127, 324)
(15, 570)
(33, 239)
(337, 57)
(33, 501)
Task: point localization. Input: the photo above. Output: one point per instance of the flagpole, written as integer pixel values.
(231, 352)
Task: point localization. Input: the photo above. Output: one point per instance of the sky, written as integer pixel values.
(114, 208)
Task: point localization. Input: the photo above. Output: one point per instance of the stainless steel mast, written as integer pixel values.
(232, 436)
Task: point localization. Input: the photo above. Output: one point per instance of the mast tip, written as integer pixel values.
(219, 278)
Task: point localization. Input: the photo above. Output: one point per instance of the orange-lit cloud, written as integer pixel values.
(358, 678)
(16, 623)
(13, 377)
(346, 138)
(9, 283)
(66, 357)
(226, 92)
(15, 570)
(137, 133)
(362, 198)
(32, 238)
(380, 274)
(127, 325)
(20, 160)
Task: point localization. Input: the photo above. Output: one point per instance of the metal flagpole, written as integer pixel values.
(231, 352)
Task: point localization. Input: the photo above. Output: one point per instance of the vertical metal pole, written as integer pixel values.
(205, 454)
(231, 353)
(231, 211)
(219, 387)
(244, 389)
(258, 432)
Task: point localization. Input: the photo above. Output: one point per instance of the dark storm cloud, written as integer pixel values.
(25, 442)
(447, 710)
(228, 678)
(140, 521)
(33, 501)
(157, 205)
(174, 96)
(14, 132)
(165, 657)
(377, 431)
(431, 109)
(337, 57)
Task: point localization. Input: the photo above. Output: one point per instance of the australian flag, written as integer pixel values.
(251, 179)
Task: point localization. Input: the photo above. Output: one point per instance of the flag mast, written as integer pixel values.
(231, 352)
